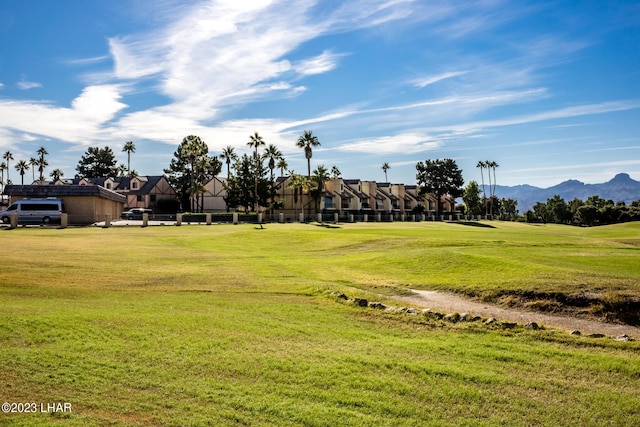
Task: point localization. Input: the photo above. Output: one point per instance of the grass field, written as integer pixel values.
(232, 325)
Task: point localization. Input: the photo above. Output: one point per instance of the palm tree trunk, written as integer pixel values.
(484, 191)
(490, 195)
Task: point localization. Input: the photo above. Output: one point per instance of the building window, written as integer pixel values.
(108, 186)
(139, 198)
(152, 197)
(328, 202)
(134, 185)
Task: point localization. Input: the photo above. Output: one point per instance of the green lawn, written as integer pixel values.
(231, 325)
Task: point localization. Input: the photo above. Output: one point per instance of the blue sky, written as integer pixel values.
(548, 89)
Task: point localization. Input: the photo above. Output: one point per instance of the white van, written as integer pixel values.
(34, 211)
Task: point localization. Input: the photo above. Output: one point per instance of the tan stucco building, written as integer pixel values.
(84, 204)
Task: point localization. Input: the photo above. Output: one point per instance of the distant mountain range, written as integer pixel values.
(621, 188)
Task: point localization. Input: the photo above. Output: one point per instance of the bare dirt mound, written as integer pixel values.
(451, 303)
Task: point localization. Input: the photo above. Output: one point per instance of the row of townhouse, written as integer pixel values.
(342, 196)
(140, 191)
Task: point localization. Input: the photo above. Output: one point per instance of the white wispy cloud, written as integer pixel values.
(80, 124)
(26, 85)
(406, 143)
(322, 63)
(428, 80)
(87, 61)
(555, 114)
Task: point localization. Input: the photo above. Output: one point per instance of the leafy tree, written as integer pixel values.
(596, 201)
(573, 207)
(541, 213)
(558, 210)
(190, 168)
(508, 209)
(241, 186)
(129, 147)
(471, 198)
(22, 167)
(439, 177)
(587, 215)
(97, 162)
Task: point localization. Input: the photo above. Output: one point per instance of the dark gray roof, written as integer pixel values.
(387, 195)
(63, 190)
(152, 181)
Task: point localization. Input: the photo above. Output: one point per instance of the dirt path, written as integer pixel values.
(450, 303)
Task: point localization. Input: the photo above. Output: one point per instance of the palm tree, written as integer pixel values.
(487, 164)
(256, 141)
(282, 165)
(33, 162)
(385, 168)
(42, 162)
(307, 141)
(3, 166)
(229, 156)
(22, 167)
(56, 174)
(482, 165)
(129, 147)
(122, 171)
(273, 154)
(7, 156)
(335, 172)
(300, 185)
(320, 176)
(493, 166)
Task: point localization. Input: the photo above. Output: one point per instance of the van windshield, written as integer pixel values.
(12, 208)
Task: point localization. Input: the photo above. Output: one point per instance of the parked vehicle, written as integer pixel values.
(34, 211)
(136, 213)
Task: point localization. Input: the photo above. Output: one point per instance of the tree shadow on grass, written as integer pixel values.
(328, 225)
(473, 224)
